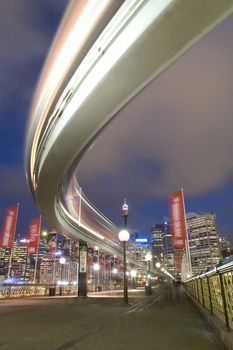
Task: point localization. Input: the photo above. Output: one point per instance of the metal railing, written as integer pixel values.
(213, 289)
(27, 290)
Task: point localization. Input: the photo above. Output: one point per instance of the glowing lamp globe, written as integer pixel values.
(148, 257)
(62, 260)
(123, 235)
(96, 266)
(44, 234)
(133, 273)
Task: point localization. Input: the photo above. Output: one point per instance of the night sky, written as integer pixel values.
(176, 133)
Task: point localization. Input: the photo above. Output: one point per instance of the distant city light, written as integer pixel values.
(23, 240)
(62, 283)
(141, 240)
(133, 273)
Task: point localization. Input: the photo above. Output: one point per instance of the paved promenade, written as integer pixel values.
(167, 320)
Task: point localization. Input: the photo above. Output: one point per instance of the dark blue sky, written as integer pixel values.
(26, 31)
(177, 133)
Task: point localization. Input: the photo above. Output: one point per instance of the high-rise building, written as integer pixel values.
(20, 261)
(52, 248)
(157, 248)
(138, 246)
(161, 246)
(224, 245)
(4, 263)
(168, 250)
(46, 270)
(203, 241)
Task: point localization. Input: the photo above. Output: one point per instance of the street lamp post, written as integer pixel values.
(148, 289)
(148, 260)
(124, 234)
(124, 237)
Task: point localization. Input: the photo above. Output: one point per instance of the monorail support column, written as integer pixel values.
(82, 275)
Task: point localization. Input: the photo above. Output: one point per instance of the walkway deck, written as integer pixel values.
(167, 320)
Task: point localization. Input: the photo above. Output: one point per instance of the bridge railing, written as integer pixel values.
(213, 289)
(29, 290)
(26, 290)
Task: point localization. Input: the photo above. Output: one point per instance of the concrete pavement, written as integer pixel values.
(167, 320)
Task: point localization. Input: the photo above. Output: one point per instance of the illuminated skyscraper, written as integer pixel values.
(138, 246)
(157, 248)
(168, 250)
(203, 241)
(161, 243)
(224, 245)
(4, 262)
(20, 261)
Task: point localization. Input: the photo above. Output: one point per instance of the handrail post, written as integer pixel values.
(224, 301)
(198, 294)
(202, 293)
(210, 296)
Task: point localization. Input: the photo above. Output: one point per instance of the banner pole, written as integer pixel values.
(12, 248)
(37, 253)
(187, 236)
(80, 206)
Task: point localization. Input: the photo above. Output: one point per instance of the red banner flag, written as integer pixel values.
(8, 227)
(33, 235)
(177, 219)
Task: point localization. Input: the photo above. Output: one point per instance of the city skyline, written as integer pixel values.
(147, 158)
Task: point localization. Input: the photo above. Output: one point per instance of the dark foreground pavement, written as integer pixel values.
(167, 320)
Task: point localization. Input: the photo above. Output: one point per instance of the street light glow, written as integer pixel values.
(133, 273)
(96, 266)
(124, 235)
(62, 260)
(148, 256)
